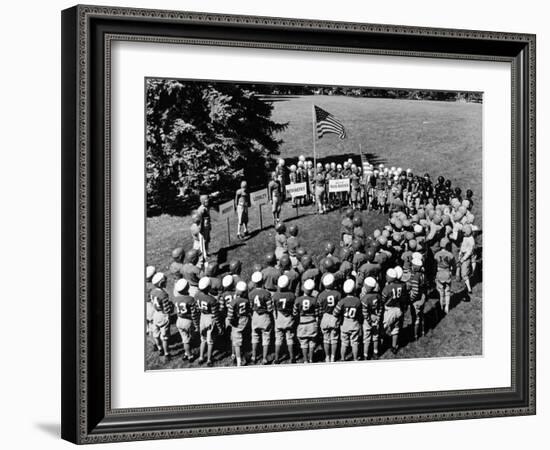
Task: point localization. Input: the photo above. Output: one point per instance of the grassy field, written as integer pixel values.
(434, 137)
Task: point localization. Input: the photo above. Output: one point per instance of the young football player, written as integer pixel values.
(242, 200)
(281, 247)
(283, 302)
(373, 311)
(149, 309)
(224, 300)
(394, 300)
(177, 264)
(191, 272)
(262, 320)
(206, 223)
(270, 274)
(188, 316)
(446, 264)
(306, 310)
(292, 274)
(346, 229)
(238, 315)
(161, 318)
(275, 194)
(328, 299)
(211, 271)
(355, 188)
(416, 286)
(310, 272)
(348, 311)
(209, 321)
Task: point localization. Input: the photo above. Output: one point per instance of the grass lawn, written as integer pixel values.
(435, 137)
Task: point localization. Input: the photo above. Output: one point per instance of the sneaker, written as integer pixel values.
(209, 364)
(276, 361)
(394, 350)
(200, 360)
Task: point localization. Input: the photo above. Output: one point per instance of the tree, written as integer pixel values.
(204, 137)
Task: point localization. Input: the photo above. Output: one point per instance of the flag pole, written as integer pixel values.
(313, 128)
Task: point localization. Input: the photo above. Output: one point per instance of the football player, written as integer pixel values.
(394, 299)
(161, 318)
(283, 302)
(224, 300)
(446, 264)
(270, 274)
(188, 316)
(346, 229)
(238, 316)
(149, 309)
(242, 200)
(466, 256)
(373, 311)
(191, 272)
(306, 310)
(416, 285)
(348, 311)
(209, 321)
(281, 247)
(206, 224)
(177, 263)
(292, 274)
(262, 320)
(275, 194)
(328, 299)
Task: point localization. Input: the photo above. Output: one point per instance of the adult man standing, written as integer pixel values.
(205, 224)
(275, 194)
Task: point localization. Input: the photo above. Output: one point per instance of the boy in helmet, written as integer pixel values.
(270, 274)
(161, 317)
(209, 320)
(275, 194)
(242, 200)
(293, 276)
(446, 264)
(373, 311)
(206, 224)
(416, 286)
(281, 246)
(466, 256)
(262, 320)
(306, 310)
(224, 300)
(150, 271)
(188, 316)
(191, 272)
(346, 228)
(177, 263)
(238, 316)
(309, 271)
(348, 312)
(394, 299)
(328, 299)
(283, 302)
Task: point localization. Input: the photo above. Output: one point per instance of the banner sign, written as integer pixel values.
(296, 189)
(227, 209)
(339, 185)
(259, 197)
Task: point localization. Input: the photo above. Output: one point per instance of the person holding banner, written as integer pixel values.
(242, 200)
(274, 192)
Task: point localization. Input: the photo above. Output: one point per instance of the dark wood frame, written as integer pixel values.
(87, 32)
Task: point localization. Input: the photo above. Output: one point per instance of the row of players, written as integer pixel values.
(243, 309)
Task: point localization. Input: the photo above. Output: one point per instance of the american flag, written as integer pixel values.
(327, 123)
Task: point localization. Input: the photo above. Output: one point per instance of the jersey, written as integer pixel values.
(271, 275)
(349, 308)
(372, 307)
(260, 300)
(444, 259)
(186, 307)
(394, 294)
(283, 302)
(239, 307)
(215, 286)
(206, 223)
(416, 286)
(224, 299)
(191, 273)
(306, 306)
(328, 299)
(294, 280)
(161, 301)
(207, 304)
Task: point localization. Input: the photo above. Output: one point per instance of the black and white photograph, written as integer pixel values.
(291, 224)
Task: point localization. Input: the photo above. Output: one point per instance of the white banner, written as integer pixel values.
(296, 189)
(227, 209)
(259, 197)
(339, 185)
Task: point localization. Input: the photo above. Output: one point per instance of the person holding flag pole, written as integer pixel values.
(323, 123)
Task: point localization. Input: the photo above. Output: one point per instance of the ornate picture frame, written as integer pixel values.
(87, 35)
